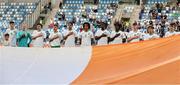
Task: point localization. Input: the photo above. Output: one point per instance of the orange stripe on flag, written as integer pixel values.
(153, 61)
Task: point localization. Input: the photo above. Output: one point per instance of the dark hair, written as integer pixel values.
(151, 22)
(135, 23)
(56, 25)
(11, 22)
(151, 27)
(70, 23)
(87, 24)
(40, 24)
(6, 34)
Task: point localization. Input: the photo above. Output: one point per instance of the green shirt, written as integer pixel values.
(23, 38)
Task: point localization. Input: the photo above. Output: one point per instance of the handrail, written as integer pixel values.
(31, 19)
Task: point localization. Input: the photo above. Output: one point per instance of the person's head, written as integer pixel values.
(150, 30)
(117, 28)
(151, 23)
(86, 26)
(11, 24)
(135, 27)
(70, 26)
(24, 27)
(104, 26)
(172, 27)
(39, 26)
(6, 36)
(56, 28)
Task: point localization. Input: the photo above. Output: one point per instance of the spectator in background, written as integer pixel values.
(50, 6)
(23, 37)
(60, 5)
(55, 38)
(12, 31)
(171, 31)
(63, 16)
(38, 36)
(150, 34)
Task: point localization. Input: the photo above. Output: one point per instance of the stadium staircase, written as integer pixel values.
(135, 14)
(52, 14)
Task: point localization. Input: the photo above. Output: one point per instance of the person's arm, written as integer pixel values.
(39, 35)
(132, 38)
(54, 37)
(112, 39)
(80, 41)
(65, 37)
(92, 41)
(99, 37)
(19, 37)
(30, 39)
(76, 40)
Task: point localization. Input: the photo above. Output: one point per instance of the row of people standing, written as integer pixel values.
(71, 38)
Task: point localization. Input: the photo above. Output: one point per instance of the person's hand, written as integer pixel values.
(1, 45)
(30, 45)
(117, 35)
(23, 35)
(103, 35)
(71, 33)
(136, 37)
(41, 34)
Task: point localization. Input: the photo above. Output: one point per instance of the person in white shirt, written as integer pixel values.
(150, 34)
(102, 36)
(12, 31)
(6, 41)
(70, 36)
(38, 36)
(117, 36)
(86, 37)
(135, 35)
(171, 32)
(55, 38)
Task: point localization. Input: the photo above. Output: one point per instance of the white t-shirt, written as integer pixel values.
(86, 38)
(148, 36)
(168, 34)
(103, 40)
(38, 42)
(6, 43)
(55, 42)
(117, 40)
(70, 41)
(133, 34)
(12, 36)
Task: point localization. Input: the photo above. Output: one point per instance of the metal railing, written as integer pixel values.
(31, 19)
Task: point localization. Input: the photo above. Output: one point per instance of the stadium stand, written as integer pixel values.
(15, 11)
(76, 9)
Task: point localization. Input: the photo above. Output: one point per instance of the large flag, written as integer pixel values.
(147, 62)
